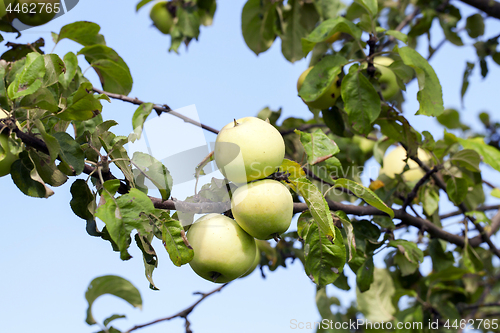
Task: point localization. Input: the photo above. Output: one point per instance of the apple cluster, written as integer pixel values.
(246, 151)
(32, 12)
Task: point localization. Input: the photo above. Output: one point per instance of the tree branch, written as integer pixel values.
(182, 314)
(159, 109)
(490, 7)
(459, 212)
(421, 182)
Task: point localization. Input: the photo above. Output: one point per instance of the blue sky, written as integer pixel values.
(48, 259)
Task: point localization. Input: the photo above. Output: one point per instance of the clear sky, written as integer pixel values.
(47, 257)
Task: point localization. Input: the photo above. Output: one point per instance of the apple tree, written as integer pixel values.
(362, 55)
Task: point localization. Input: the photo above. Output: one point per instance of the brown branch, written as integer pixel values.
(159, 109)
(421, 182)
(459, 212)
(182, 314)
(490, 7)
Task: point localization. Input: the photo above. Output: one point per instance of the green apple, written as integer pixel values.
(6, 156)
(366, 145)
(394, 164)
(264, 208)
(222, 250)
(329, 96)
(37, 12)
(248, 149)
(387, 79)
(161, 17)
(255, 263)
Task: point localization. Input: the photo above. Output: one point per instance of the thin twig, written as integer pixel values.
(182, 314)
(459, 212)
(301, 128)
(421, 182)
(159, 109)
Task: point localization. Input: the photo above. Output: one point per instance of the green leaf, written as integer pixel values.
(113, 317)
(349, 231)
(71, 152)
(138, 119)
(408, 256)
(465, 81)
(141, 4)
(29, 80)
(54, 67)
(440, 259)
(257, 24)
(27, 179)
(364, 193)
(71, 63)
(50, 141)
(457, 189)
(328, 28)
(495, 192)
(148, 255)
(451, 273)
(321, 77)
(43, 98)
(47, 169)
(371, 6)
(429, 198)
(175, 241)
(430, 95)
(475, 25)
(376, 303)
(364, 275)
(154, 171)
(83, 201)
(490, 155)
(291, 46)
(293, 168)
(82, 32)
(317, 205)
(188, 21)
(451, 119)
(123, 214)
(467, 158)
(113, 285)
(324, 260)
(361, 101)
(398, 35)
(113, 76)
(83, 105)
(317, 146)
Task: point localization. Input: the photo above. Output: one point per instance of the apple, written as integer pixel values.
(37, 12)
(6, 156)
(387, 79)
(222, 250)
(333, 38)
(248, 149)
(264, 208)
(161, 17)
(394, 164)
(255, 263)
(327, 99)
(366, 145)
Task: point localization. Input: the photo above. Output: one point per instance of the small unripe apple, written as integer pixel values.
(6, 156)
(329, 96)
(161, 17)
(394, 164)
(248, 149)
(37, 12)
(264, 208)
(223, 251)
(387, 80)
(366, 145)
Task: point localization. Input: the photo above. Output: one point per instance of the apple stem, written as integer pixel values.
(276, 237)
(215, 276)
(235, 123)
